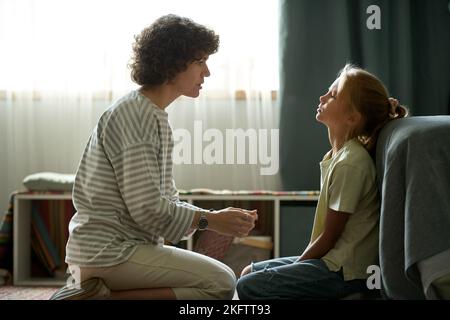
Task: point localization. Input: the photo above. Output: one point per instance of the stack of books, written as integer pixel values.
(49, 233)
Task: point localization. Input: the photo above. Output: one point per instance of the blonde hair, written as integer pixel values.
(366, 94)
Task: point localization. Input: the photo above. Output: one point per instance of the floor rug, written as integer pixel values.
(36, 293)
(26, 293)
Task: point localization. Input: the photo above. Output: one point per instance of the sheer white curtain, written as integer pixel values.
(62, 62)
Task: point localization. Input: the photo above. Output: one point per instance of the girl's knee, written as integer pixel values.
(245, 288)
(241, 289)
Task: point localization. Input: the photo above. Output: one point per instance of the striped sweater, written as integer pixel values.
(124, 193)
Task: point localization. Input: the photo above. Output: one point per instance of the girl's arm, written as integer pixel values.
(334, 225)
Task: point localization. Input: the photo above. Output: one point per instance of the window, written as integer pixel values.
(85, 46)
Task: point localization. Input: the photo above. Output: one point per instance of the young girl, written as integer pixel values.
(344, 240)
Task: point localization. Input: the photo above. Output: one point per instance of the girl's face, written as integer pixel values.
(333, 109)
(189, 82)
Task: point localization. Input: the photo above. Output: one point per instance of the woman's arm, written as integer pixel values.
(334, 226)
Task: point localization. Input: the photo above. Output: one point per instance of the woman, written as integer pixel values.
(126, 200)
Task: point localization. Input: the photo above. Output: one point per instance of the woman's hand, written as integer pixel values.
(232, 221)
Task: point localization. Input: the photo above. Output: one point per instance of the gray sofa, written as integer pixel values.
(413, 166)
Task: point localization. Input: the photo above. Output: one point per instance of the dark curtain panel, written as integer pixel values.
(410, 54)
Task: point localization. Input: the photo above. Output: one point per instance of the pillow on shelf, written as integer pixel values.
(49, 181)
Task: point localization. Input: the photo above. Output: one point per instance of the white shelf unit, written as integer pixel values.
(22, 225)
(22, 240)
(277, 202)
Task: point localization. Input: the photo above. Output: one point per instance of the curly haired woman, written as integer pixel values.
(126, 200)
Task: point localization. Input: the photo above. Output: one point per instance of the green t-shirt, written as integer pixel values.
(348, 184)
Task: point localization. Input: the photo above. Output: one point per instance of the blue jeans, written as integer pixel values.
(283, 278)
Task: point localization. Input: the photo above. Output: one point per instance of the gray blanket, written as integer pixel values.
(413, 166)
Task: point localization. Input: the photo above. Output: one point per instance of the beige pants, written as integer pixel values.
(189, 274)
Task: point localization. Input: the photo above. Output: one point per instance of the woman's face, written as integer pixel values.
(189, 82)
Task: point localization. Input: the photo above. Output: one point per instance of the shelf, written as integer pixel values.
(296, 208)
(22, 252)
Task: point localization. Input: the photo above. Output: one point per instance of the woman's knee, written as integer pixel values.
(224, 286)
